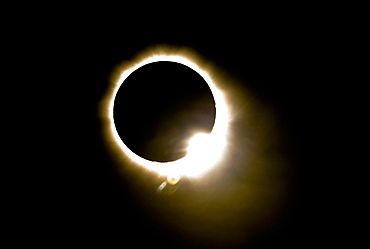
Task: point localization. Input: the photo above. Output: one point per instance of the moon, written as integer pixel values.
(204, 150)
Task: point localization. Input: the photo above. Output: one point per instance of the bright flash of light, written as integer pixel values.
(204, 150)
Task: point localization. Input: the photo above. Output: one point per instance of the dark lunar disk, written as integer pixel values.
(159, 107)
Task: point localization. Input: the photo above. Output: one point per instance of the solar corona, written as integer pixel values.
(204, 151)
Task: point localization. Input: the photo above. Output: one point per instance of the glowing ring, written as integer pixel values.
(204, 151)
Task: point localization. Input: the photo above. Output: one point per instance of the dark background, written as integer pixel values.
(80, 198)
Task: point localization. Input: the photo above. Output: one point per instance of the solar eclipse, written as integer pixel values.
(204, 148)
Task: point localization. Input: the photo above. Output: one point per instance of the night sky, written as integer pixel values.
(88, 196)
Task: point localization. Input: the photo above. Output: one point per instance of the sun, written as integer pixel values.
(204, 150)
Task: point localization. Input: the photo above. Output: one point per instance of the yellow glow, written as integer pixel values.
(173, 179)
(204, 150)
